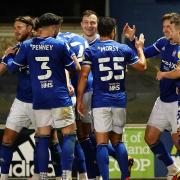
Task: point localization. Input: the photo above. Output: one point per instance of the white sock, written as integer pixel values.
(172, 169)
(35, 176)
(59, 178)
(67, 175)
(4, 177)
(83, 176)
(43, 176)
(99, 178)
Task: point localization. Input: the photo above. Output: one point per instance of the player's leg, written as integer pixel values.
(157, 123)
(64, 118)
(6, 152)
(16, 120)
(44, 122)
(84, 128)
(119, 120)
(102, 125)
(55, 151)
(79, 161)
(173, 170)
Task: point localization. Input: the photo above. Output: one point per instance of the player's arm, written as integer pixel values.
(174, 74)
(83, 77)
(69, 85)
(3, 68)
(77, 64)
(4, 62)
(129, 33)
(141, 65)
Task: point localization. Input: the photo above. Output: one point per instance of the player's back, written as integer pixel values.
(76, 42)
(108, 61)
(47, 59)
(78, 45)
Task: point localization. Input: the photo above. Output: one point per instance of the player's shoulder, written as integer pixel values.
(163, 40)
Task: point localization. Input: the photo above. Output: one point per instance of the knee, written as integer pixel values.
(9, 136)
(149, 139)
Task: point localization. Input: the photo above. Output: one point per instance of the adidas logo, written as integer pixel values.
(22, 163)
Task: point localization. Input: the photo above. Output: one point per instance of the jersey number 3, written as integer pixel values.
(44, 66)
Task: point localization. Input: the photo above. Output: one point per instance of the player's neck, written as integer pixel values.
(89, 38)
(105, 38)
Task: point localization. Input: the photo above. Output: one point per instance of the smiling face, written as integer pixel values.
(89, 25)
(175, 33)
(167, 28)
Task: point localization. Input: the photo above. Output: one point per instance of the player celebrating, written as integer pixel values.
(164, 113)
(107, 60)
(21, 111)
(47, 59)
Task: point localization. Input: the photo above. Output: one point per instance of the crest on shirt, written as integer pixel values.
(163, 48)
(178, 54)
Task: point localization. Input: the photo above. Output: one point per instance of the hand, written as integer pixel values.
(129, 32)
(70, 89)
(81, 108)
(139, 43)
(159, 75)
(10, 50)
(177, 92)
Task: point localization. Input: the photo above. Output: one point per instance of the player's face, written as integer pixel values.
(175, 33)
(166, 28)
(89, 25)
(21, 31)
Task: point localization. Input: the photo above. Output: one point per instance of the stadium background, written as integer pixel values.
(142, 88)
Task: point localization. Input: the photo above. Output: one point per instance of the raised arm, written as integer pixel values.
(141, 65)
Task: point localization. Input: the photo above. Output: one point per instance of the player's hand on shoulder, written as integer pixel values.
(10, 50)
(129, 32)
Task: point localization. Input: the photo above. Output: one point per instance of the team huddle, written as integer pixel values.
(76, 84)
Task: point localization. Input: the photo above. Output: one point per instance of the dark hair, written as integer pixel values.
(48, 19)
(106, 26)
(168, 16)
(25, 19)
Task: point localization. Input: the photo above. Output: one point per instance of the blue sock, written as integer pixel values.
(122, 158)
(161, 153)
(103, 160)
(90, 158)
(36, 167)
(55, 150)
(67, 155)
(94, 144)
(6, 154)
(79, 160)
(111, 151)
(43, 153)
(92, 137)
